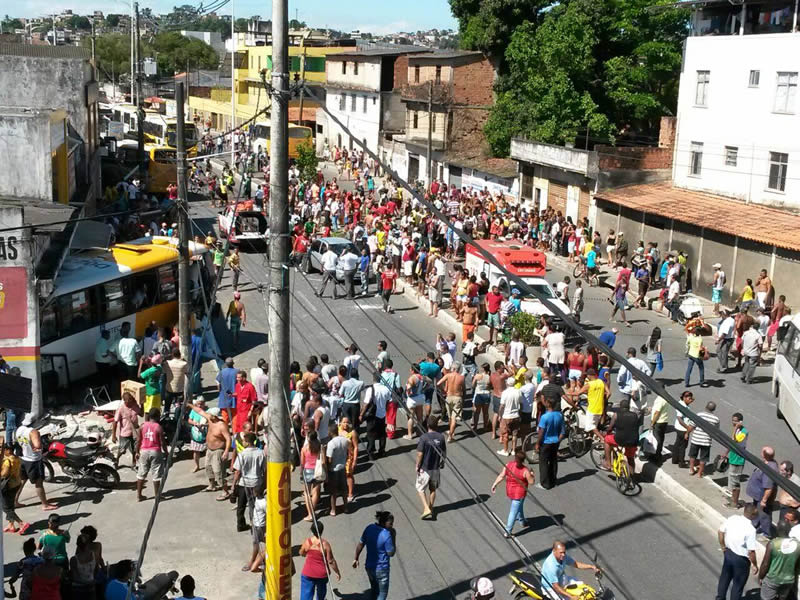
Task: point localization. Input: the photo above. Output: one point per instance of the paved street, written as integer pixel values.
(650, 547)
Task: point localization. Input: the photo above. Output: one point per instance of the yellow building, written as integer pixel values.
(213, 105)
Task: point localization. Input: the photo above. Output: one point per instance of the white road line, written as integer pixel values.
(339, 339)
(308, 303)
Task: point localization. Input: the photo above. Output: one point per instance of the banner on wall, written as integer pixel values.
(13, 302)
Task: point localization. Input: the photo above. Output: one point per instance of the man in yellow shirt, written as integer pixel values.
(597, 393)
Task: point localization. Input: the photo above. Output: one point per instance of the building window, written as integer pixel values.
(433, 121)
(755, 77)
(701, 93)
(731, 156)
(785, 92)
(374, 100)
(364, 106)
(778, 162)
(353, 103)
(259, 64)
(696, 164)
(342, 102)
(344, 67)
(355, 68)
(414, 120)
(416, 73)
(438, 74)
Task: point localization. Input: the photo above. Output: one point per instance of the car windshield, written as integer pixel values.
(340, 249)
(543, 289)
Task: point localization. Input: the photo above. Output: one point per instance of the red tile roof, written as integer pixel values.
(770, 226)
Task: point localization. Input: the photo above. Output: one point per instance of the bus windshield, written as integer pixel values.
(261, 131)
(189, 135)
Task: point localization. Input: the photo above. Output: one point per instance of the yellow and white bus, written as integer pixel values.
(298, 134)
(786, 374)
(163, 131)
(134, 281)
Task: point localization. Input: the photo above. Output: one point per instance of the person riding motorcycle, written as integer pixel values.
(554, 580)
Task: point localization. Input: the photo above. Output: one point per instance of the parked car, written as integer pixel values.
(339, 245)
(250, 227)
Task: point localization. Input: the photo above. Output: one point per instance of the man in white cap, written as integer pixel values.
(30, 441)
(717, 285)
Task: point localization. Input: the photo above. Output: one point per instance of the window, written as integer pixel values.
(701, 93)
(49, 327)
(731, 156)
(74, 312)
(355, 68)
(438, 74)
(414, 119)
(113, 298)
(778, 162)
(342, 102)
(433, 121)
(364, 106)
(696, 164)
(374, 100)
(168, 282)
(344, 67)
(416, 73)
(145, 289)
(353, 103)
(785, 93)
(755, 77)
(259, 64)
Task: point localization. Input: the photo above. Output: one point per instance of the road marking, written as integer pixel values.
(340, 339)
(307, 301)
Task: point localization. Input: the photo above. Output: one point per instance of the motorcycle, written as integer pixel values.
(158, 586)
(528, 585)
(82, 463)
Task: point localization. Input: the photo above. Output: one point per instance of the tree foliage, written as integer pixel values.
(112, 20)
(611, 66)
(172, 49)
(78, 22)
(307, 161)
(10, 24)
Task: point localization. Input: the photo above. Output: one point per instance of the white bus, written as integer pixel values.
(786, 374)
(134, 281)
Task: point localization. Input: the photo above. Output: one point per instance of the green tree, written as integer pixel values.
(10, 24)
(174, 51)
(307, 161)
(240, 25)
(112, 52)
(295, 24)
(610, 66)
(112, 20)
(78, 22)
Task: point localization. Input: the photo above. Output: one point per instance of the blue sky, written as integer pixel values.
(377, 16)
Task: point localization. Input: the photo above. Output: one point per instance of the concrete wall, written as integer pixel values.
(393, 110)
(738, 115)
(25, 148)
(368, 77)
(365, 125)
(396, 155)
(420, 132)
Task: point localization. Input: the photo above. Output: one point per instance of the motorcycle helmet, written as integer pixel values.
(482, 588)
(57, 449)
(94, 439)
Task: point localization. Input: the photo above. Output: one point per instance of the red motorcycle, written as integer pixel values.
(81, 464)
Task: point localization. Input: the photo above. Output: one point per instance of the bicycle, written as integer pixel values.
(581, 271)
(564, 452)
(619, 466)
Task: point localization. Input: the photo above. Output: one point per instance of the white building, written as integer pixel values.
(360, 93)
(738, 131)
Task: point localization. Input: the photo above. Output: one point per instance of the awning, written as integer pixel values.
(768, 226)
(91, 234)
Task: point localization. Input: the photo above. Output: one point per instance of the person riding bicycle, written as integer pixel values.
(622, 431)
(554, 580)
(481, 588)
(591, 264)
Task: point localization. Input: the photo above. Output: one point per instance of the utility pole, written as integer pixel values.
(430, 132)
(133, 56)
(55, 39)
(94, 58)
(139, 103)
(233, 81)
(113, 81)
(184, 300)
(302, 82)
(279, 539)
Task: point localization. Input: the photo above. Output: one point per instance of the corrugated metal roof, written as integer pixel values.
(36, 51)
(769, 226)
(371, 52)
(447, 54)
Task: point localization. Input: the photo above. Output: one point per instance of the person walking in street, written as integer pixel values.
(700, 441)
(761, 491)
(226, 383)
(349, 261)
(337, 451)
(725, 336)
(151, 447)
(319, 557)
(659, 421)
(364, 264)
(128, 352)
(695, 355)
(510, 404)
(310, 455)
(125, 428)
(551, 431)
(780, 565)
(737, 539)
(452, 384)
(373, 414)
(380, 540)
(248, 477)
(329, 260)
(176, 370)
(736, 460)
(236, 315)
(10, 481)
(235, 264)
(681, 427)
(431, 455)
(388, 284)
(620, 299)
(218, 442)
(653, 355)
(517, 477)
(752, 344)
(30, 441)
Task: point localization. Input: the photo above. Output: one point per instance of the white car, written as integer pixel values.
(531, 304)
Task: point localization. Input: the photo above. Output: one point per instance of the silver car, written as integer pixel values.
(339, 245)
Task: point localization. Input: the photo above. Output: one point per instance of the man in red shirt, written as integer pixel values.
(493, 300)
(388, 279)
(518, 477)
(246, 396)
(300, 249)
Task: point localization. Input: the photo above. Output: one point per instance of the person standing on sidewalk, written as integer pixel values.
(761, 490)
(717, 286)
(725, 335)
(737, 539)
(493, 300)
(736, 460)
(784, 499)
(349, 262)
(780, 565)
(659, 420)
(550, 433)
(328, 260)
(700, 441)
(681, 432)
(752, 344)
(518, 477)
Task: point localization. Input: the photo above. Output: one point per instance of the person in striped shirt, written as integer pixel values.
(700, 441)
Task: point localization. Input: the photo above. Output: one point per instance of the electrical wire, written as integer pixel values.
(714, 432)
